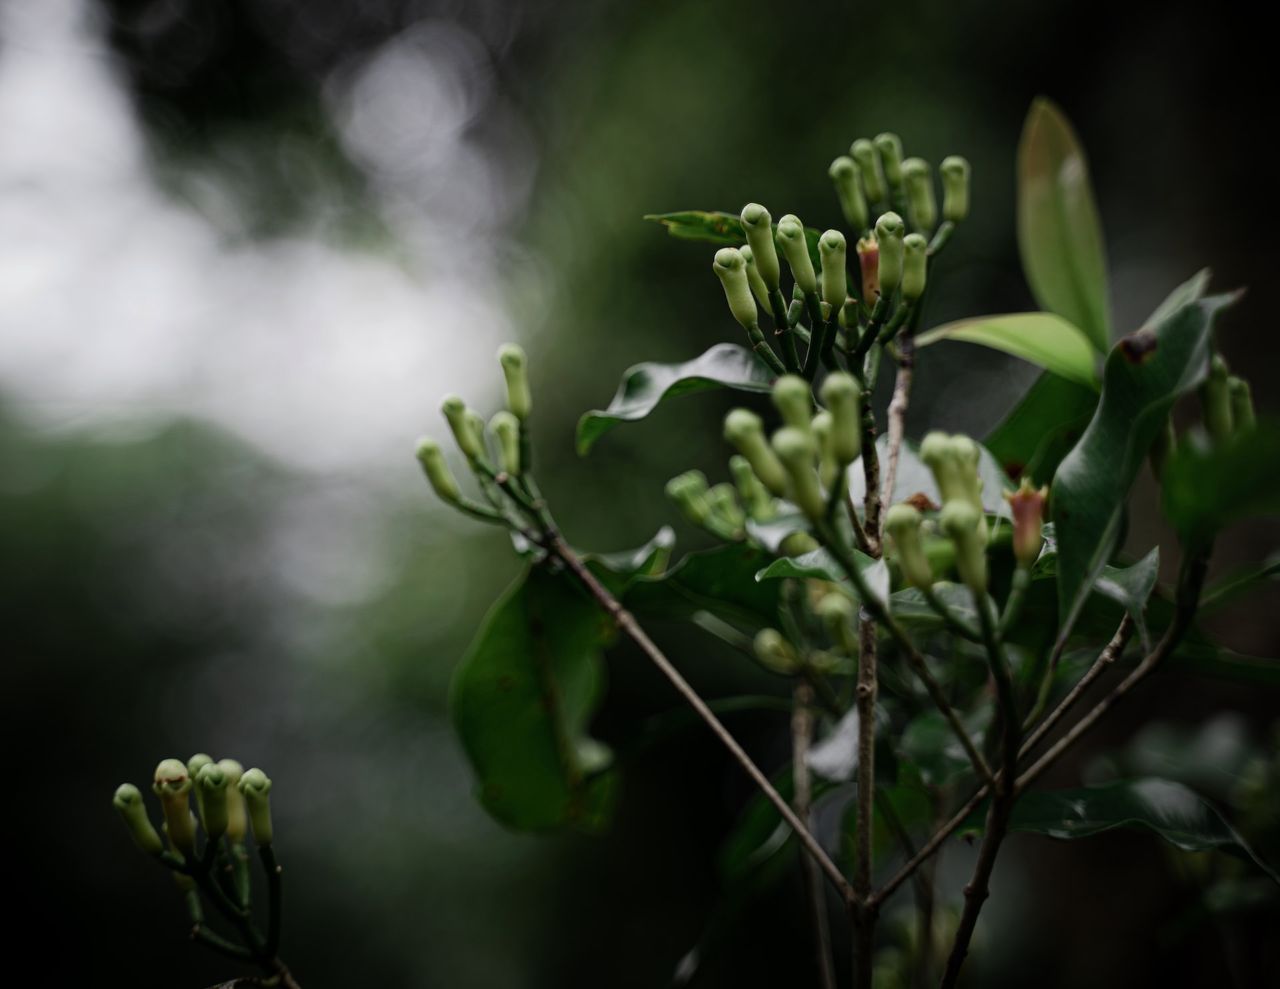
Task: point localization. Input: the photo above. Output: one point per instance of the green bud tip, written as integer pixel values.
(833, 249)
(831, 241)
(512, 357)
(792, 398)
(437, 470)
(847, 180)
(842, 168)
(743, 429)
(864, 153)
(755, 215)
(955, 188)
(255, 787)
(171, 778)
(515, 371)
(774, 652)
(890, 147)
(791, 240)
(901, 518)
(462, 425)
(197, 762)
(921, 206)
(835, 607)
(757, 224)
(797, 450)
(794, 447)
(128, 802)
(212, 784)
(840, 394)
(731, 268)
(689, 491)
(915, 264)
(237, 822)
(889, 234)
(506, 427)
(742, 425)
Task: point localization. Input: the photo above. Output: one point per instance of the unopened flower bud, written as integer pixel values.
(515, 370)
(128, 802)
(758, 287)
(795, 248)
(837, 612)
(853, 201)
(922, 207)
(797, 450)
(211, 785)
(797, 544)
(757, 224)
(731, 268)
(954, 463)
(960, 522)
(831, 249)
(869, 268)
(1027, 505)
(828, 468)
(889, 146)
(237, 823)
(889, 234)
(196, 763)
(689, 492)
(758, 501)
(173, 786)
(841, 395)
(1243, 418)
(742, 428)
(438, 474)
(1216, 400)
(469, 441)
(793, 400)
(255, 788)
(864, 153)
(955, 188)
(506, 429)
(915, 266)
(723, 500)
(775, 653)
(902, 522)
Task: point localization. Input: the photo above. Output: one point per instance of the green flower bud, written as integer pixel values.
(470, 442)
(954, 463)
(902, 522)
(723, 500)
(960, 522)
(1242, 414)
(775, 652)
(689, 492)
(742, 428)
(797, 449)
(853, 201)
(864, 153)
(211, 785)
(1215, 397)
(433, 465)
(196, 763)
(506, 428)
(922, 207)
(758, 287)
(793, 400)
(889, 233)
(955, 188)
(841, 395)
(731, 268)
(797, 544)
(1027, 505)
(890, 147)
(831, 249)
(237, 823)
(791, 240)
(128, 801)
(758, 501)
(254, 789)
(173, 786)
(514, 369)
(757, 224)
(915, 265)
(828, 468)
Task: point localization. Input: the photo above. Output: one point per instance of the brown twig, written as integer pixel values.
(898, 412)
(557, 547)
(863, 916)
(871, 475)
(801, 735)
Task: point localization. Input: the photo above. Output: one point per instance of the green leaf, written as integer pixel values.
(618, 570)
(722, 229)
(1145, 374)
(1196, 655)
(1173, 811)
(645, 386)
(1042, 427)
(929, 744)
(821, 565)
(1131, 587)
(521, 701)
(1206, 487)
(915, 478)
(720, 581)
(1239, 583)
(1059, 233)
(1040, 338)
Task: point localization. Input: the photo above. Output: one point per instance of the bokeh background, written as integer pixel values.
(246, 245)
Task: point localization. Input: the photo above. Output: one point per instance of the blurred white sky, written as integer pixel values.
(120, 304)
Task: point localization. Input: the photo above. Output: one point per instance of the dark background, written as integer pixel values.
(142, 609)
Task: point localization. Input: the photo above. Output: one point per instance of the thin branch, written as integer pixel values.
(801, 735)
(898, 412)
(557, 547)
(871, 475)
(864, 919)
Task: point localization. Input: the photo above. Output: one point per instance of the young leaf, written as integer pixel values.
(1059, 233)
(617, 570)
(521, 700)
(722, 229)
(1239, 583)
(1171, 810)
(645, 386)
(819, 564)
(720, 581)
(1040, 338)
(1145, 374)
(1206, 487)
(1040, 430)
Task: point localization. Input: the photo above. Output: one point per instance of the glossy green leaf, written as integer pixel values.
(1145, 374)
(521, 701)
(1206, 487)
(1131, 588)
(821, 565)
(1172, 810)
(1041, 338)
(716, 227)
(1042, 427)
(720, 581)
(915, 478)
(929, 744)
(1203, 658)
(618, 570)
(1240, 583)
(1059, 233)
(645, 386)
